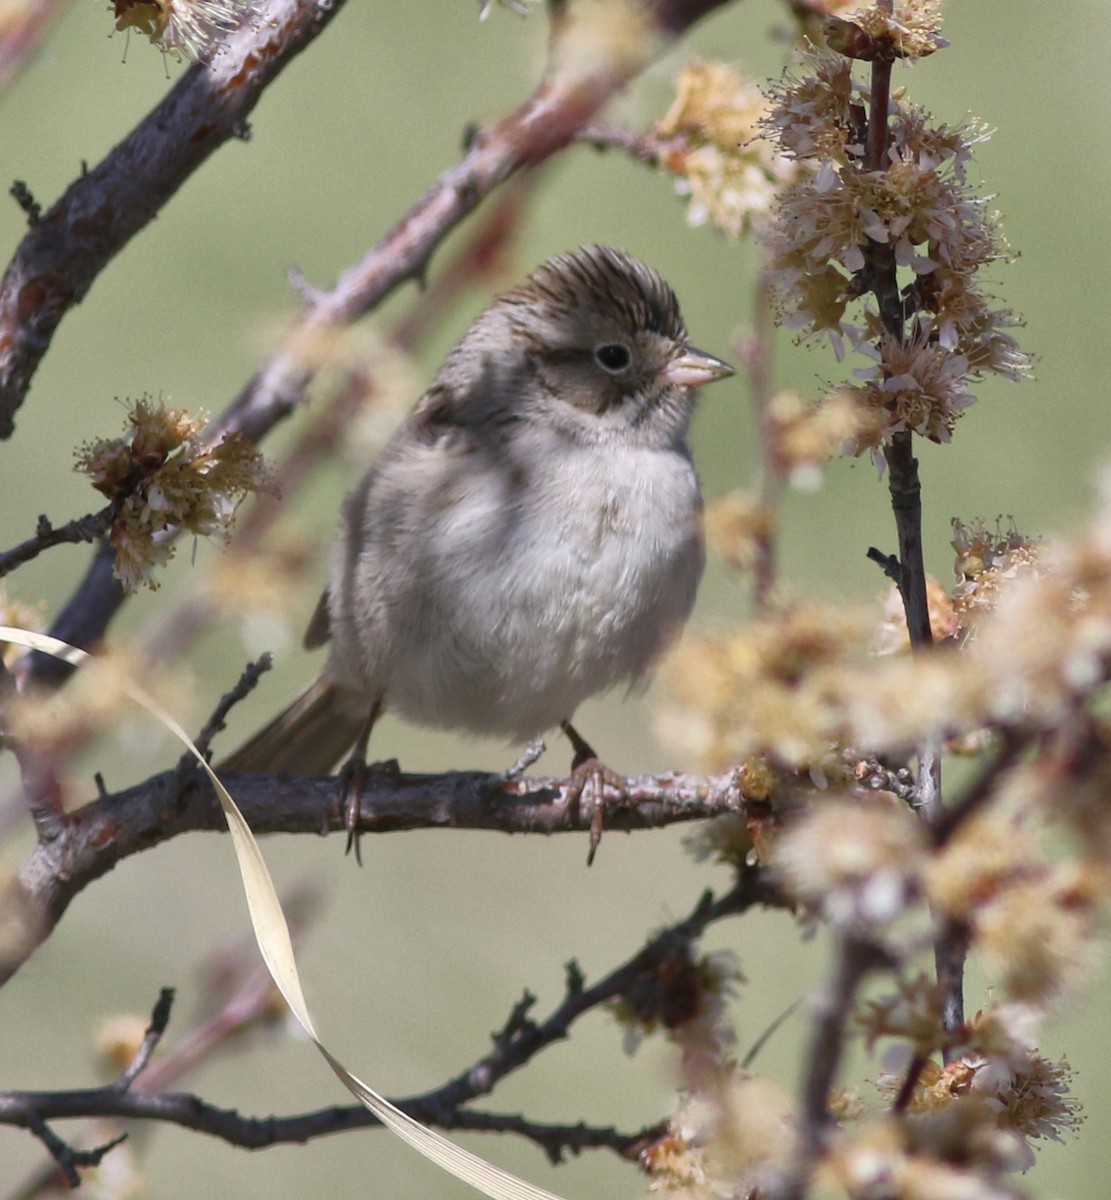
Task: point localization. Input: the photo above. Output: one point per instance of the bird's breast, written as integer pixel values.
(539, 596)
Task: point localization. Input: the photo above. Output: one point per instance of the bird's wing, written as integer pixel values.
(320, 627)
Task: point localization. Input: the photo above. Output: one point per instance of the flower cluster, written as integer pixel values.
(1026, 878)
(841, 222)
(770, 690)
(189, 29)
(856, 862)
(911, 30)
(797, 685)
(986, 562)
(729, 172)
(994, 1085)
(162, 475)
(682, 993)
(727, 1143)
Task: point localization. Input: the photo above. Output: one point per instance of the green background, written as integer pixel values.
(421, 954)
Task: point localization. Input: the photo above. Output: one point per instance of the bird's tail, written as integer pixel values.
(307, 738)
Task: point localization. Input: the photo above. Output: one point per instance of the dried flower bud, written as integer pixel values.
(912, 30)
(847, 38)
(162, 475)
(678, 990)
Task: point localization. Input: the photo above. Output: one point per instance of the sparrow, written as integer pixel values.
(529, 537)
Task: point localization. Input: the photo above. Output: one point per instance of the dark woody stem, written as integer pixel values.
(906, 504)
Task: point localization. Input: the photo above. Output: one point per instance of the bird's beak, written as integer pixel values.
(692, 368)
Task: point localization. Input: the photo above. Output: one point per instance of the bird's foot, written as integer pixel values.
(597, 777)
(588, 771)
(527, 757)
(354, 777)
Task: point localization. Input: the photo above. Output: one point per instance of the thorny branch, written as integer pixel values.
(514, 1047)
(215, 723)
(100, 834)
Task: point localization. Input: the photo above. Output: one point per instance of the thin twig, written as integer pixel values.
(82, 529)
(649, 148)
(856, 956)
(253, 999)
(159, 1019)
(244, 686)
(68, 1158)
(910, 1082)
(520, 1041)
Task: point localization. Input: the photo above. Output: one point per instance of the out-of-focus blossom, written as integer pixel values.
(727, 169)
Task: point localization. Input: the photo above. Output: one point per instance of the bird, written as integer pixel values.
(529, 537)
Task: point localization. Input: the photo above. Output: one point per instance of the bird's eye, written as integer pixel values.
(614, 358)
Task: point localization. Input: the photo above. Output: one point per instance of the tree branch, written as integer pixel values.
(66, 249)
(905, 489)
(96, 837)
(82, 529)
(856, 956)
(515, 1046)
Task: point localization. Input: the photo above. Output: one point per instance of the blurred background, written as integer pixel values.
(420, 955)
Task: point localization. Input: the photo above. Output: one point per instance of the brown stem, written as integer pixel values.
(855, 958)
(97, 836)
(905, 489)
(82, 529)
(66, 249)
(521, 1040)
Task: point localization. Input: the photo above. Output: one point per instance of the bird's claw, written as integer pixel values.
(354, 778)
(597, 776)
